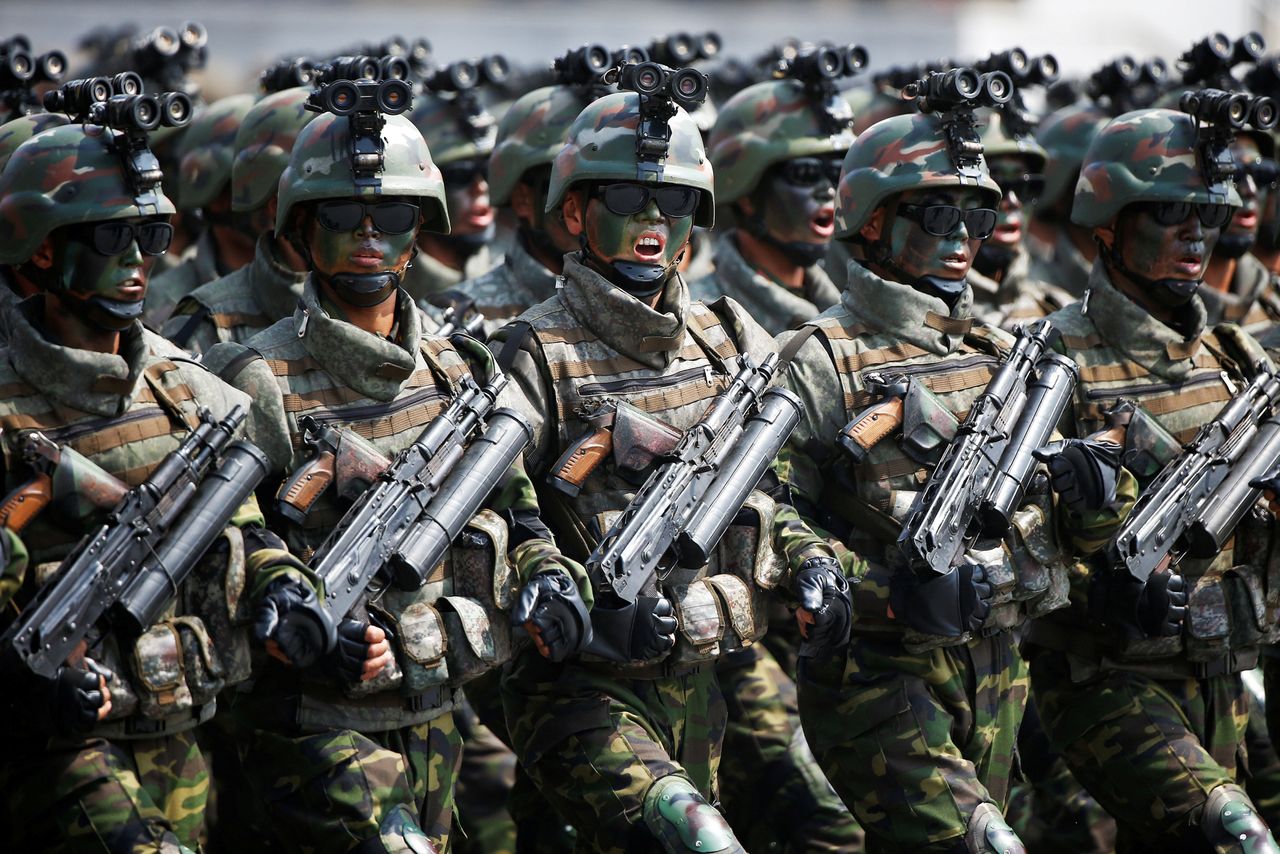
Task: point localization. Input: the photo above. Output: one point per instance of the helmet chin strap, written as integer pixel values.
(947, 290)
(642, 281)
(363, 290)
(107, 315)
(1171, 293)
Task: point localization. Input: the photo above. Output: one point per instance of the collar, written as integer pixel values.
(1016, 278)
(763, 297)
(529, 273)
(98, 383)
(368, 363)
(651, 337)
(1073, 268)
(277, 287)
(1248, 283)
(427, 276)
(903, 312)
(1127, 327)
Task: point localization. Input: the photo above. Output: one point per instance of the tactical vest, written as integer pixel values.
(451, 629)
(1234, 599)
(721, 606)
(867, 503)
(165, 681)
(502, 293)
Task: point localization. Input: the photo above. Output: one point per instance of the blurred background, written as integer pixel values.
(245, 36)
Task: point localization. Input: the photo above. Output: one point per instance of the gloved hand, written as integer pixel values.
(553, 613)
(1269, 483)
(72, 701)
(826, 609)
(1155, 609)
(1083, 472)
(361, 653)
(948, 605)
(293, 624)
(641, 631)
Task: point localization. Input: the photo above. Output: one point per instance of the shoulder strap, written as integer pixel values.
(183, 335)
(232, 369)
(1236, 348)
(519, 332)
(154, 375)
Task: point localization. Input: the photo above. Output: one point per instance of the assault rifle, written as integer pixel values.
(1195, 503)
(984, 473)
(680, 513)
(128, 571)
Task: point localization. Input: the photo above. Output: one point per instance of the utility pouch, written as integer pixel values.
(928, 427)
(421, 642)
(701, 622)
(202, 666)
(218, 598)
(1148, 447)
(158, 665)
(639, 440)
(480, 635)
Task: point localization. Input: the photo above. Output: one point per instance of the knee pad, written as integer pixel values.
(398, 834)
(989, 833)
(681, 819)
(1231, 823)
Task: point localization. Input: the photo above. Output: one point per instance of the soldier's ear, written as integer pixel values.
(523, 198)
(574, 208)
(43, 256)
(874, 225)
(1105, 235)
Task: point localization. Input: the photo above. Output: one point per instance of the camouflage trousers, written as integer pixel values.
(772, 791)
(914, 742)
(329, 791)
(103, 796)
(595, 743)
(1149, 750)
(485, 778)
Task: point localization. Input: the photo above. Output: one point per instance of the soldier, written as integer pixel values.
(1005, 293)
(1149, 712)
(107, 760)
(1063, 252)
(226, 242)
(15, 285)
(776, 149)
(624, 740)
(461, 135)
(238, 306)
(529, 136)
(361, 751)
(915, 726)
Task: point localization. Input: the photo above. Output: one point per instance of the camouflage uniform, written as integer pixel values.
(519, 282)
(916, 732)
(238, 306)
(1152, 727)
(1251, 303)
(427, 277)
(1018, 298)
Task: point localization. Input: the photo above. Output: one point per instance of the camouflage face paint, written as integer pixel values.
(84, 273)
(919, 253)
(618, 238)
(468, 200)
(1005, 169)
(1245, 222)
(364, 250)
(1158, 251)
(797, 214)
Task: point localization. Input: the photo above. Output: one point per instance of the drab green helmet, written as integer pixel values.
(766, 124)
(601, 146)
(263, 144)
(320, 168)
(1065, 135)
(1144, 156)
(997, 139)
(530, 135)
(66, 176)
(450, 132)
(207, 149)
(892, 156)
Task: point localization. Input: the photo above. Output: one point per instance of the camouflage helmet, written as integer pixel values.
(892, 156)
(1143, 156)
(320, 168)
(443, 123)
(871, 104)
(766, 124)
(530, 135)
(66, 176)
(17, 131)
(997, 139)
(601, 146)
(1065, 135)
(262, 147)
(206, 151)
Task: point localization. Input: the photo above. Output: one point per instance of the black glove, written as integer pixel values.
(291, 615)
(643, 630)
(823, 591)
(948, 605)
(1083, 471)
(71, 700)
(1155, 609)
(550, 603)
(351, 651)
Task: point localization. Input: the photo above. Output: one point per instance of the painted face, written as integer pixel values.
(551, 224)
(919, 253)
(645, 237)
(1245, 222)
(798, 201)
(364, 249)
(1010, 220)
(1156, 251)
(466, 193)
(86, 273)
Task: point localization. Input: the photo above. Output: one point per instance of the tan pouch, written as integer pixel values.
(747, 614)
(158, 665)
(701, 623)
(422, 643)
(481, 637)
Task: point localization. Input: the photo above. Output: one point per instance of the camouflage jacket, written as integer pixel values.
(1018, 298)
(519, 282)
(773, 306)
(426, 276)
(1251, 302)
(125, 413)
(886, 327)
(1177, 383)
(702, 261)
(385, 392)
(593, 344)
(1064, 266)
(198, 266)
(836, 264)
(238, 306)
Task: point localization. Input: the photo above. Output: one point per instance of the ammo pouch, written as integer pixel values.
(639, 440)
(1147, 446)
(218, 598)
(927, 425)
(1042, 580)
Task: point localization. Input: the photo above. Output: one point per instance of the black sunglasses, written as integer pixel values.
(1028, 188)
(388, 217)
(1176, 213)
(1263, 171)
(943, 220)
(627, 199)
(810, 171)
(114, 237)
(464, 172)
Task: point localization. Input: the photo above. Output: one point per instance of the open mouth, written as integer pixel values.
(824, 222)
(365, 258)
(1245, 220)
(132, 290)
(1190, 264)
(480, 215)
(650, 245)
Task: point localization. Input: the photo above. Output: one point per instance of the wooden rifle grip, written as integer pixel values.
(580, 459)
(875, 423)
(308, 483)
(25, 503)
